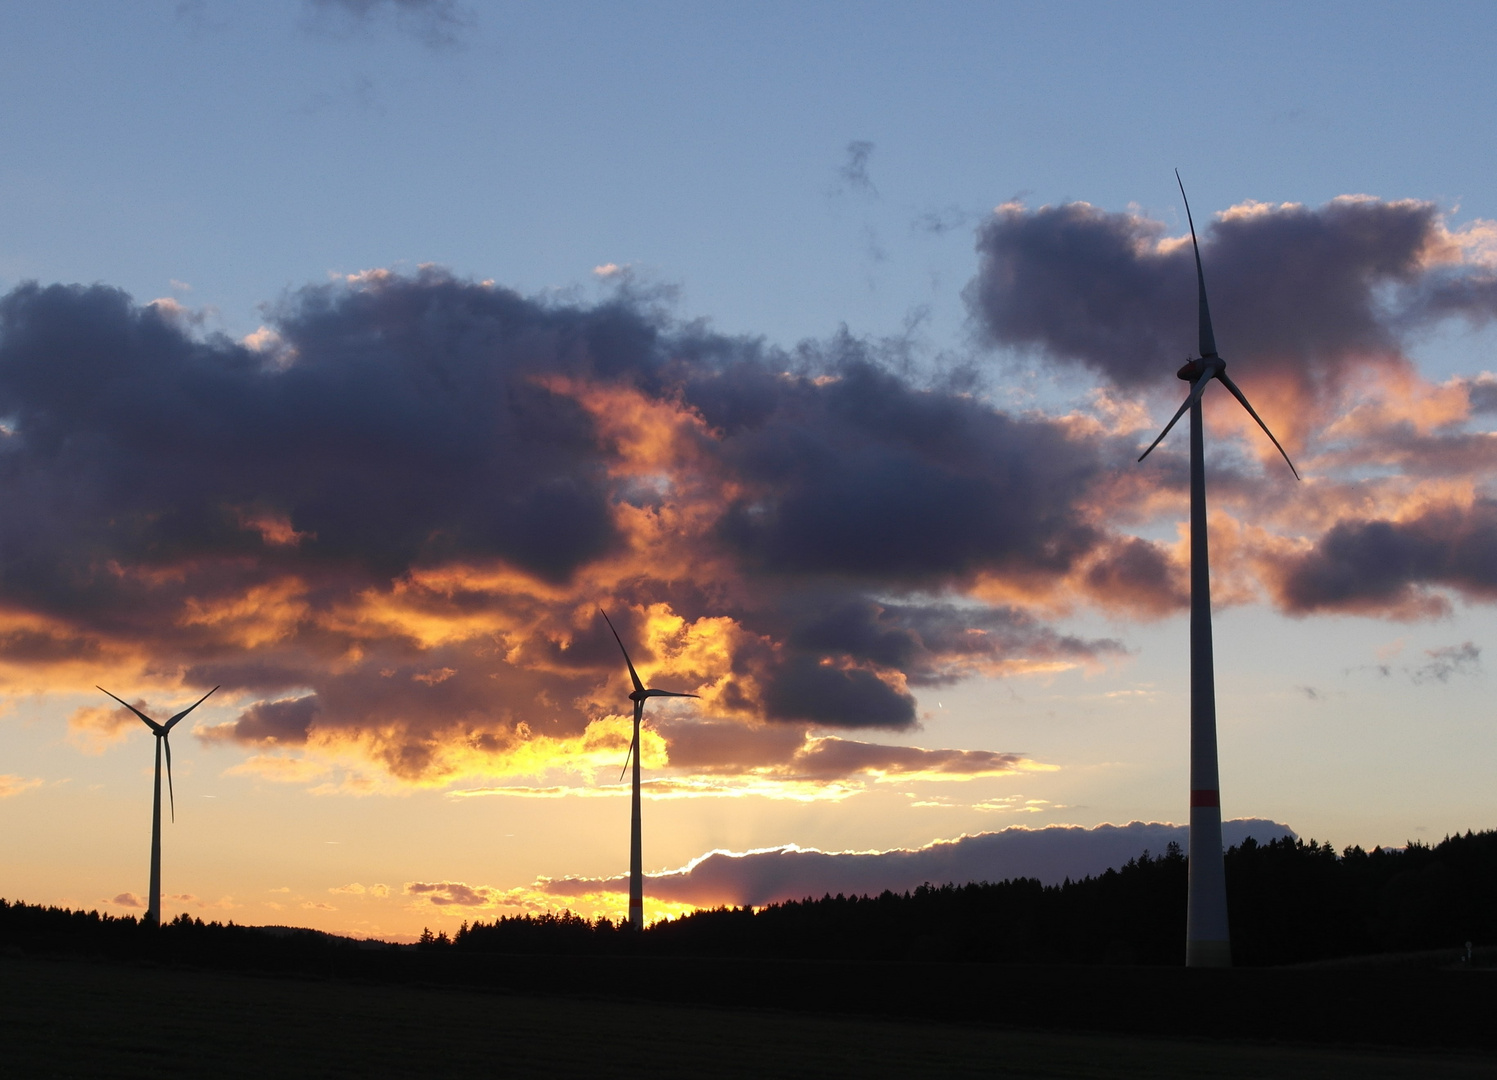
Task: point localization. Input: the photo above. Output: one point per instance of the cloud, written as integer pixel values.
(1050, 854)
(356, 889)
(783, 753)
(94, 728)
(12, 785)
(435, 23)
(1463, 659)
(453, 893)
(1300, 293)
(225, 903)
(129, 900)
(1397, 567)
(831, 758)
(388, 532)
(854, 169)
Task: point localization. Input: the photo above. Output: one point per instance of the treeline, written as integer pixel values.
(37, 929)
(1290, 902)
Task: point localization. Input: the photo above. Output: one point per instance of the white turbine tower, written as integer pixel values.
(636, 857)
(1207, 942)
(162, 733)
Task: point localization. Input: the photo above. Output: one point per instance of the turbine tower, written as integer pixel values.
(1207, 943)
(161, 731)
(636, 858)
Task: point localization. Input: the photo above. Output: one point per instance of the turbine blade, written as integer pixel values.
(639, 712)
(1208, 339)
(668, 693)
(148, 721)
(1241, 397)
(1195, 392)
(1160, 438)
(167, 744)
(1180, 412)
(633, 675)
(170, 723)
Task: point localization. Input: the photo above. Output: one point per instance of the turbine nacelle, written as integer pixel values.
(1210, 366)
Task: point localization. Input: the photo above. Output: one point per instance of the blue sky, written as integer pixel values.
(245, 151)
(777, 172)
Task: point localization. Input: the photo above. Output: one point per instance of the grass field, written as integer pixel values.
(76, 1019)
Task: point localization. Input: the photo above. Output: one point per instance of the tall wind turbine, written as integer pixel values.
(1207, 943)
(636, 858)
(161, 731)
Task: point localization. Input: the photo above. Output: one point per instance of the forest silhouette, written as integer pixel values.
(1291, 902)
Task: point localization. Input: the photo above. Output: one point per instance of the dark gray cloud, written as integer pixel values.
(437, 23)
(1482, 392)
(285, 721)
(383, 449)
(451, 893)
(854, 170)
(808, 689)
(1468, 293)
(1448, 660)
(1137, 574)
(932, 643)
(1395, 566)
(864, 476)
(1297, 293)
(786, 752)
(833, 758)
(1050, 854)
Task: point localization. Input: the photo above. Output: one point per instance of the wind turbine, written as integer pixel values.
(1207, 943)
(636, 858)
(161, 731)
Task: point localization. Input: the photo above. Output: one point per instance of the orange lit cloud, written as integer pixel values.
(356, 889)
(94, 728)
(12, 785)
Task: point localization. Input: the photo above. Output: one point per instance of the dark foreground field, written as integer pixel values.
(73, 1018)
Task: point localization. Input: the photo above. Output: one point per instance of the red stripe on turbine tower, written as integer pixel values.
(1206, 797)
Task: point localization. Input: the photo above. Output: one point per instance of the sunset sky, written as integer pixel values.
(354, 352)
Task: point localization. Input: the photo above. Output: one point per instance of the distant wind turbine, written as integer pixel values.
(636, 858)
(163, 742)
(1207, 942)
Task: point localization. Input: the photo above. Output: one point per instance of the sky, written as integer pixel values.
(354, 353)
